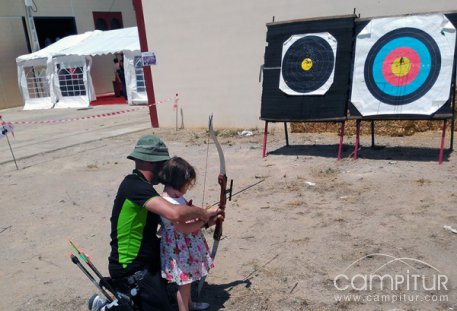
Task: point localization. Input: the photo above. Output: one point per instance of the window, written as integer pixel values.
(100, 24)
(116, 23)
(37, 82)
(107, 20)
(71, 81)
(139, 74)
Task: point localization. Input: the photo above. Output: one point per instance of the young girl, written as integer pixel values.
(184, 252)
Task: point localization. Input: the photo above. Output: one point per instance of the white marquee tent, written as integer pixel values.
(58, 76)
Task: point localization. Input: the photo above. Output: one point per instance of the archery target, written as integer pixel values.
(403, 65)
(308, 64)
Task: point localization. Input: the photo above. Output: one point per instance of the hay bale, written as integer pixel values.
(393, 128)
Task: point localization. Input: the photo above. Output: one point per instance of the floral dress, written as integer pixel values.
(185, 257)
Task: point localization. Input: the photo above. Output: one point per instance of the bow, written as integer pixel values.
(222, 181)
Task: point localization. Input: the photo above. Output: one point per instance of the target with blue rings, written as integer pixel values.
(391, 89)
(403, 65)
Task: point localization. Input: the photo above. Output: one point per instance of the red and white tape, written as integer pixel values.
(96, 116)
(101, 115)
(174, 99)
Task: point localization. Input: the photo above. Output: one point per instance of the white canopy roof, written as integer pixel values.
(90, 43)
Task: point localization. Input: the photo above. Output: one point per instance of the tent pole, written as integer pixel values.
(138, 7)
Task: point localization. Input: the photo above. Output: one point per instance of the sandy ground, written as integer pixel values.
(306, 220)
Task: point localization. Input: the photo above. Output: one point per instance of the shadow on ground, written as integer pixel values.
(214, 294)
(377, 152)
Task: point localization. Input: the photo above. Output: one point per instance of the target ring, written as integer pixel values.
(308, 64)
(402, 66)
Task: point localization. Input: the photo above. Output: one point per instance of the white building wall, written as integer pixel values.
(211, 51)
(12, 42)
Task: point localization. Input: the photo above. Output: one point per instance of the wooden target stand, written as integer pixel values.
(341, 120)
(444, 117)
(439, 117)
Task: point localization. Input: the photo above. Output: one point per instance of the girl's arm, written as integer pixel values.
(189, 227)
(178, 213)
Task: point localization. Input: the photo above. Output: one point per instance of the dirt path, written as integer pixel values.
(285, 240)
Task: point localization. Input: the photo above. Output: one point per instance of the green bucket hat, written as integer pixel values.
(150, 148)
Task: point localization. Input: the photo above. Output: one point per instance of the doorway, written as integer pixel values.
(52, 29)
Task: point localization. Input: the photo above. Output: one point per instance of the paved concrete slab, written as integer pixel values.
(41, 131)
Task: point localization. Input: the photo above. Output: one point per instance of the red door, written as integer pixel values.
(108, 20)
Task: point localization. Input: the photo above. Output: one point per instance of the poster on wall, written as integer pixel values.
(403, 65)
(308, 64)
(149, 58)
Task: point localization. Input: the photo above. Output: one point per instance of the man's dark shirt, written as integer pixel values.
(134, 243)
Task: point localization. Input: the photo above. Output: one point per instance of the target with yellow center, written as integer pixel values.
(308, 64)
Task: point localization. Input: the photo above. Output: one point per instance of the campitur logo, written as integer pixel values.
(385, 278)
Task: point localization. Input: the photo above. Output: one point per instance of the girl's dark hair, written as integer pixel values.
(177, 173)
